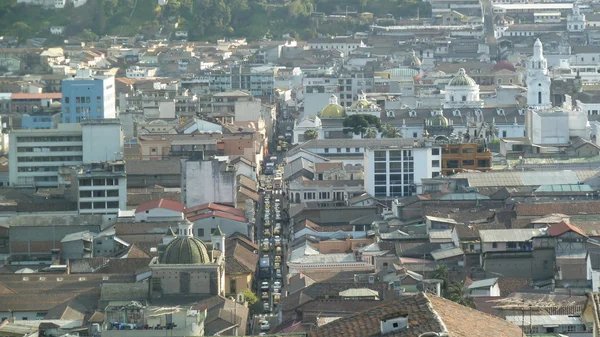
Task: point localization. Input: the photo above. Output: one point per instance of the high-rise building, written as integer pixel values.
(38, 155)
(85, 96)
(396, 171)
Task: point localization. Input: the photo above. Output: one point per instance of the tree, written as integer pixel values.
(458, 293)
(491, 131)
(441, 273)
(390, 131)
(311, 134)
(249, 296)
(370, 133)
(88, 36)
(358, 124)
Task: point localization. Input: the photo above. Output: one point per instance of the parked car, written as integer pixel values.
(264, 286)
(267, 232)
(264, 295)
(266, 307)
(278, 251)
(278, 274)
(276, 285)
(278, 259)
(264, 325)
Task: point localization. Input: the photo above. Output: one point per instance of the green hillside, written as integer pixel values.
(204, 19)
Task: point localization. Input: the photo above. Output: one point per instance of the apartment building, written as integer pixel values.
(258, 81)
(100, 188)
(396, 171)
(465, 156)
(88, 97)
(37, 155)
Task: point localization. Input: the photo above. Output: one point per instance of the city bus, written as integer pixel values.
(264, 266)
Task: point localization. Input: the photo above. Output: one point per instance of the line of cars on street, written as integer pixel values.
(271, 260)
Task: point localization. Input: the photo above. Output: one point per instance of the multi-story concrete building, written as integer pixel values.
(37, 155)
(465, 156)
(394, 171)
(259, 81)
(88, 97)
(100, 188)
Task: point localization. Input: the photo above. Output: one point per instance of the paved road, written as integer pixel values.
(488, 20)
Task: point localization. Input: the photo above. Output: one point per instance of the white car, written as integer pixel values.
(265, 326)
(264, 286)
(277, 285)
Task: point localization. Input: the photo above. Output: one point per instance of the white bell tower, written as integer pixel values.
(576, 20)
(538, 81)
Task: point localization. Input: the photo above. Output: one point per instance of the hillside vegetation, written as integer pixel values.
(204, 19)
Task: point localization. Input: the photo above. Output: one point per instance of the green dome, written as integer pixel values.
(333, 111)
(440, 120)
(185, 250)
(462, 80)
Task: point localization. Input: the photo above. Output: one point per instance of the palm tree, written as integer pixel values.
(390, 131)
(311, 134)
(370, 133)
(441, 273)
(457, 292)
(491, 131)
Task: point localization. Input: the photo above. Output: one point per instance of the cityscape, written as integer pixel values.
(305, 168)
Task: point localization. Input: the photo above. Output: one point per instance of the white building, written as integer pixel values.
(462, 92)
(538, 81)
(576, 20)
(546, 125)
(208, 181)
(341, 44)
(393, 171)
(57, 30)
(141, 72)
(37, 155)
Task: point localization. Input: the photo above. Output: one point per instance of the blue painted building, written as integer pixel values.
(88, 97)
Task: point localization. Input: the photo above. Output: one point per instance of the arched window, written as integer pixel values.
(464, 98)
(539, 97)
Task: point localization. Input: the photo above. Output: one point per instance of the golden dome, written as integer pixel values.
(440, 120)
(333, 109)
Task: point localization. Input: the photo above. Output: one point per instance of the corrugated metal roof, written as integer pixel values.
(544, 320)
(529, 178)
(508, 235)
(464, 196)
(564, 188)
(441, 254)
(483, 283)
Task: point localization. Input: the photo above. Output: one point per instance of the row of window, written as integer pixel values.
(394, 179)
(36, 139)
(394, 155)
(98, 194)
(98, 205)
(83, 99)
(48, 159)
(394, 167)
(99, 182)
(50, 149)
(339, 150)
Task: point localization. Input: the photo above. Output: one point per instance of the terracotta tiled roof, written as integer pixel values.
(161, 203)
(425, 313)
(563, 227)
(568, 208)
(211, 206)
(23, 95)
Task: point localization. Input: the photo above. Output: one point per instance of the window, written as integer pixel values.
(380, 179)
(357, 149)
(67, 99)
(326, 150)
(511, 245)
(499, 81)
(112, 204)
(396, 167)
(200, 232)
(468, 150)
(379, 168)
(494, 245)
(380, 156)
(435, 163)
(347, 149)
(452, 164)
(339, 150)
(85, 194)
(545, 264)
(415, 135)
(435, 152)
(112, 193)
(504, 134)
(464, 98)
(468, 162)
